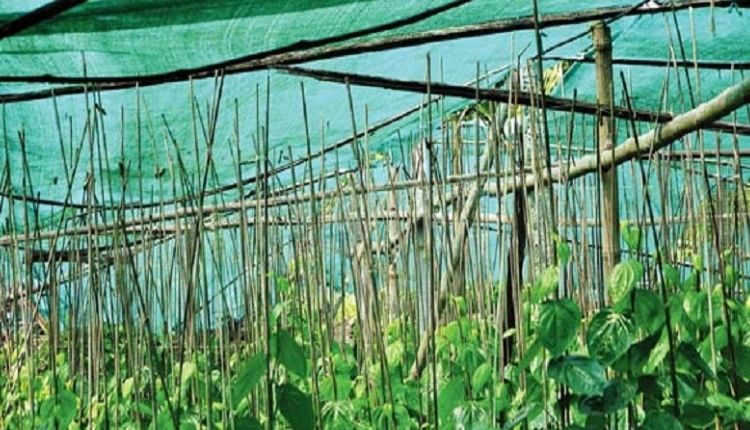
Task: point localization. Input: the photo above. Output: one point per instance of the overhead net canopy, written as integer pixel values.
(172, 51)
(151, 109)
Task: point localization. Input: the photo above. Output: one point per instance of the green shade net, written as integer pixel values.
(156, 136)
(145, 36)
(158, 131)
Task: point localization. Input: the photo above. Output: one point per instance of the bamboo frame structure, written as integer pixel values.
(347, 251)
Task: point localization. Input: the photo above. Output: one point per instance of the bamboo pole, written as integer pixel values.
(608, 176)
(37, 16)
(524, 98)
(657, 62)
(723, 104)
(730, 99)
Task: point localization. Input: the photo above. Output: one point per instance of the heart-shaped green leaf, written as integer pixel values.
(558, 324)
(623, 278)
(609, 335)
(583, 375)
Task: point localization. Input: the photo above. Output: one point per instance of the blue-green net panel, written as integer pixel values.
(154, 124)
(114, 38)
(139, 37)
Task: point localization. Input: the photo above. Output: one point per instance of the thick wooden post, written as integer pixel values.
(610, 199)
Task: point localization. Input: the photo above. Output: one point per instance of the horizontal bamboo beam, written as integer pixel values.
(502, 96)
(723, 104)
(151, 223)
(161, 234)
(234, 186)
(292, 54)
(653, 62)
(153, 219)
(36, 16)
(211, 70)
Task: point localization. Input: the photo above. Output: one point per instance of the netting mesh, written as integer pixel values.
(147, 129)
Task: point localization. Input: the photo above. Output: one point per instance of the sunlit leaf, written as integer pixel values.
(188, 370)
(631, 235)
(623, 278)
(450, 396)
(481, 376)
(545, 284)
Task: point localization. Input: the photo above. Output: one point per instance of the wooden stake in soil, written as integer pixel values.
(610, 199)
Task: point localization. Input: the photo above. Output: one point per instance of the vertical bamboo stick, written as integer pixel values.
(610, 199)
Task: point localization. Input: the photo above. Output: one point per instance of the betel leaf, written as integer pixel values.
(660, 420)
(742, 361)
(520, 416)
(296, 407)
(188, 370)
(127, 387)
(624, 277)
(164, 420)
(394, 353)
(609, 335)
(692, 355)
(337, 389)
(583, 375)
(730, 276)
(450, 397)
(247, 423)
(596, 422)
(558, 324)
(563, 251)
(723, 402)
(545, 284)
(290, 354)
(60, 409)
(617, 394)
(631, 235)
(648, 311)
(697, 415)
(674, 307)
(282, 284)
(528, 357)
(637, 355)
(481, 376)
(658, 353)
(672, 276)
(248, 377)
